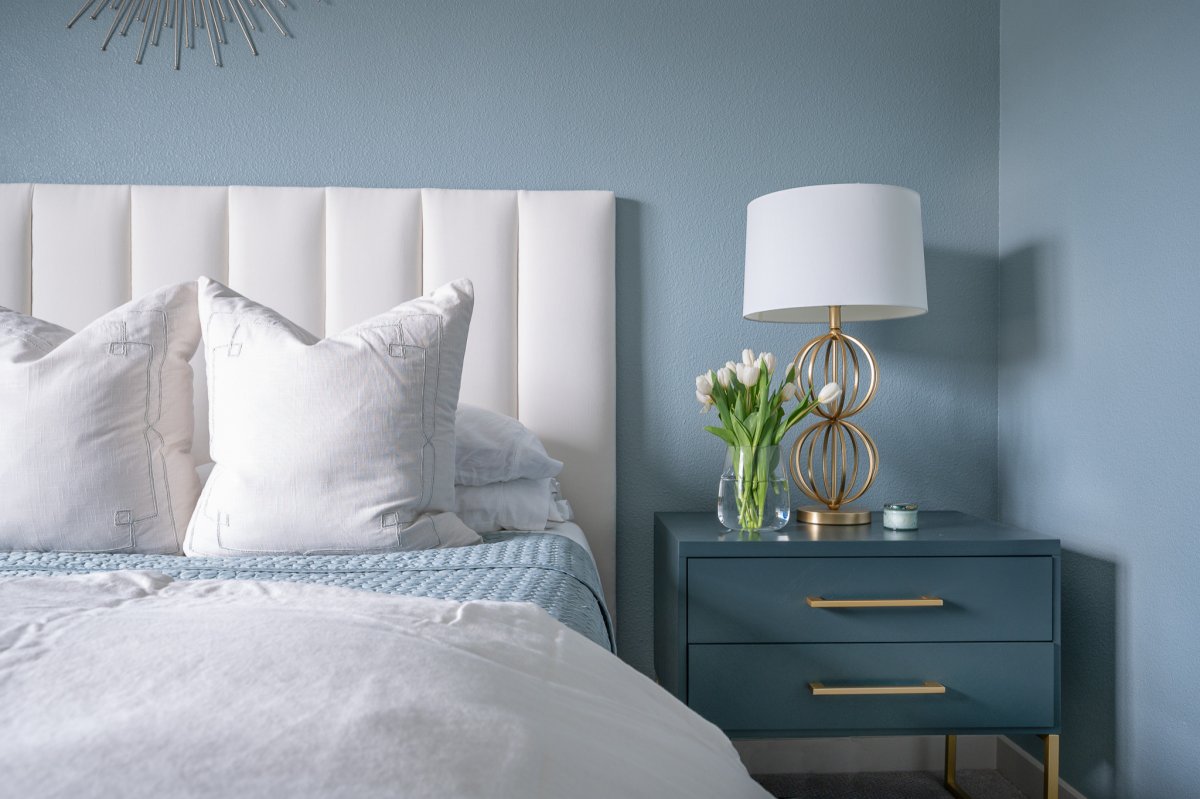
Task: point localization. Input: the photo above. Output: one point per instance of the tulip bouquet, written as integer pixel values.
(754, 419)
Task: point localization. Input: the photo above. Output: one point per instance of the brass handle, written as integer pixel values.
(927, 687)
(922, 602)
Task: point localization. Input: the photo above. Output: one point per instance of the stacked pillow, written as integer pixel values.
(349, 444)
(504, 480)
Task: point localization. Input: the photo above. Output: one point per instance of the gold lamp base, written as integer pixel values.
(828, 458)
(817, 514)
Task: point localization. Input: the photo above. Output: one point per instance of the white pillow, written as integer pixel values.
(494, 448)
(489, 448)
(339, 445)
(512, 505)
(96, 428)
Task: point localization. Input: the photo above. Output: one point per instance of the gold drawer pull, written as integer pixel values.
(927, 687)
(922, 602)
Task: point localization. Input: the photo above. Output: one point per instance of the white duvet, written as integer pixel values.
(132, 684)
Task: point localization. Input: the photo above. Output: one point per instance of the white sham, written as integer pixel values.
(493, 448)
(512, 505)
(335, 445)
(96, 428)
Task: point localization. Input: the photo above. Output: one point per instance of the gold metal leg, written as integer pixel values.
(1049, 772)
(951, 780)
(1050, 763)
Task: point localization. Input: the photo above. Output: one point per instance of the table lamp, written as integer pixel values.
(843, 253)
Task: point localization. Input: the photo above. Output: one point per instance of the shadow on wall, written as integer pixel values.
(1032, 329)
(630, 426)
(938, 385)
(1089, 667)
(1024, 274)
(1089, 626)
(958, 285)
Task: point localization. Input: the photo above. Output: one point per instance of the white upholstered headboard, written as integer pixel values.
(542, 342)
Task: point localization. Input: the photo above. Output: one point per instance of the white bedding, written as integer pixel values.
(130, 684)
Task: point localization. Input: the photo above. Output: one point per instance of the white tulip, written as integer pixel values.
(788, 391)
(767, 361)
(731, 366)
(704, 385)
(748, 357)
(748, 375)
(704, 399)
(725, 374)
(828, 393)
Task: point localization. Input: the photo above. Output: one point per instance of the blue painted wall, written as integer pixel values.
(687, 109)
(1098, 432)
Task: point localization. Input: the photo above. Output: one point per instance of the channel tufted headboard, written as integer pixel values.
(542, 342)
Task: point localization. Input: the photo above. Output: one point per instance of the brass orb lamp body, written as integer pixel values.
(843, 252)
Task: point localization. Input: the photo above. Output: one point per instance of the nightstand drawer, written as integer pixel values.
(765, 689)
(766, 600)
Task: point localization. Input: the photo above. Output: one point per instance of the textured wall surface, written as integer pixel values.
(1099, 201)
(687, 109)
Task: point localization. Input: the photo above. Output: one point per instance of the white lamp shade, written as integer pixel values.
(857, 245)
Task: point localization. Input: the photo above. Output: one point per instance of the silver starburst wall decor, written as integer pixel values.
(186, 21)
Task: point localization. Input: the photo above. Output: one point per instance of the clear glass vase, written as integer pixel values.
(754, 495)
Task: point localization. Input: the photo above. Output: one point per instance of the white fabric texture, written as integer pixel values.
(335, 445)
(493, 448)
(312, 691)
(96, 428)
(511, 505)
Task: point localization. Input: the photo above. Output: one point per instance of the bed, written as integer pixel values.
(481, 670)
(328, 257)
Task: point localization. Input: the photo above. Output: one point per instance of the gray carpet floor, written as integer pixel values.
(886, 785)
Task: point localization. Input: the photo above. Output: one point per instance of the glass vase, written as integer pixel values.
(754, 496)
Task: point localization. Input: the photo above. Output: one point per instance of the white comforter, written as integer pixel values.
(131, 684)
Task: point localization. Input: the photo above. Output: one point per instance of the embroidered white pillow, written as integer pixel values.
(336, 445)
(96, 428)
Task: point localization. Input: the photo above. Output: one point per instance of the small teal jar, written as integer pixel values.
(900, 516)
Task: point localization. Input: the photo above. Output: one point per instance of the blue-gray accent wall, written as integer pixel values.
(1098, 439)
(687, 109)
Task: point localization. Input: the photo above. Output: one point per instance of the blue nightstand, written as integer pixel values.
(829, 631)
